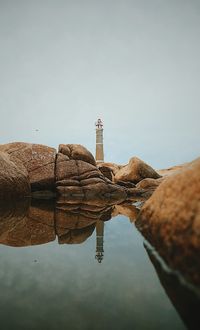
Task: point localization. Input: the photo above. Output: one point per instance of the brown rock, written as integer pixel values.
(107, 172)
(114, 168)
(149, 183)
(77, 152)
(135, 171)
(170, 220)
(39, 161)
(77, 179)
(14, 182)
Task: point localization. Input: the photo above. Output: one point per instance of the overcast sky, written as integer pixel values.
(135, 64)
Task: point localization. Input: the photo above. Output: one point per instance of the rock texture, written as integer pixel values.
(76, 178)
(72, 173)
(135, 171)
(170, 220)
(37, 159)
(13, 179)
(77, 152)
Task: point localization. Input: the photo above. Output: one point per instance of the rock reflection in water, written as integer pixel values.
(184, 297)
(34, 222)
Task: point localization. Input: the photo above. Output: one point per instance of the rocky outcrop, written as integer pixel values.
(14, 179)
(170, 220)
(135, 171)
(79, 179)
(37, 159)
(72, 173)
(77, 152)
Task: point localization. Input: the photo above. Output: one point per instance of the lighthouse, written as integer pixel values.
(99, 141)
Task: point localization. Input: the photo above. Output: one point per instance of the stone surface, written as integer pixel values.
(114, 168)
(107, 172)
(77, 152)
(170, 220)
(135, 171)
(38, 160)
(79, 179)
(14, 181)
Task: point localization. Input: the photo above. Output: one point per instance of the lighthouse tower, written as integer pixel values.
(99, 141)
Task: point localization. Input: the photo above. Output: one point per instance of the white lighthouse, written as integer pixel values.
(99, 141)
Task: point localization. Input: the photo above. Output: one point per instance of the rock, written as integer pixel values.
(149, 183)
(77, 152)
(77, 179)
(172, 170)
(14, 181)
(38, 160)
(135, 171)
(170, 220)
(107, 172)
(114, 168)
(127, 184)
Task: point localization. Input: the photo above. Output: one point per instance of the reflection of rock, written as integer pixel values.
(22, 224)
(37, 159)
(135, 171)
(26, 225)
(128, 210)
(13, 179)
(170, 220)
(185, 299)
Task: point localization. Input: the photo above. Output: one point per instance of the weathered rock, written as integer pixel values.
(114, 168)
(77, 179)
(172, 170)
(170, 220)
(107, 172)
(38, 160)
(135, 171)
(77, 152)
(14, 182)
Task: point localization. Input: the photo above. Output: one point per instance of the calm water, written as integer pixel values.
(62, 286)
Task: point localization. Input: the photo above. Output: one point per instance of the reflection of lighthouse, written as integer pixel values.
(99, 240)
(99, 141)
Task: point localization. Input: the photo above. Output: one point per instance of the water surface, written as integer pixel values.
(62, 286)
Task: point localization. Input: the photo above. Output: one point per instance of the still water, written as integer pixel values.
(63, 286)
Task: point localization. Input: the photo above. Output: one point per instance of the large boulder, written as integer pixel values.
(37, 159)
(81, 180)
(135, 171)
(170, 220)
(77, 152)
(14, 181)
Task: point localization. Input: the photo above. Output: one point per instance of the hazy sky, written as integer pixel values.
(136, 64)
